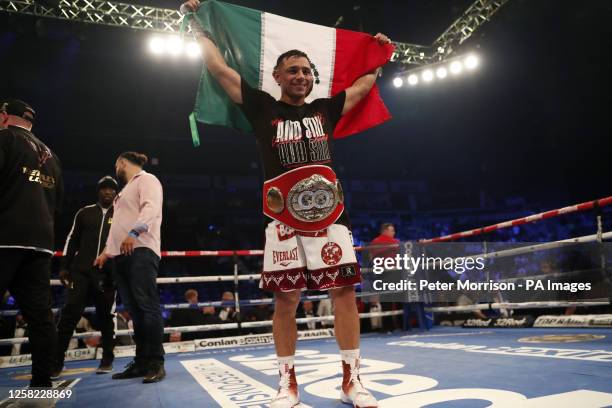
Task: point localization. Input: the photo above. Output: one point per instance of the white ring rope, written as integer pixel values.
(542, 247)
(193, 279)
(211, 327)
(525, 305)
(530, 248)
(218, 303)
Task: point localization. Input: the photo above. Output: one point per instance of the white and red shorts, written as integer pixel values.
(296, 260)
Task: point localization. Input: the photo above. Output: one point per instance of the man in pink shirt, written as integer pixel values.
(134, 246)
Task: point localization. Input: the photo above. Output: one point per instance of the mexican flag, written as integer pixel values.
(251, 41)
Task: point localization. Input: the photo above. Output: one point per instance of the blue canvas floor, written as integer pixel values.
(445, 367)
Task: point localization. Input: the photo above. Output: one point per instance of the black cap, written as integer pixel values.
(17, 108)
(108, 181)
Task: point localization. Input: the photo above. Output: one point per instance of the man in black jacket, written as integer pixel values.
(84, 243)
(31, 192)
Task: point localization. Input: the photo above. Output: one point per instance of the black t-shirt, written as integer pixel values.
(291, 136)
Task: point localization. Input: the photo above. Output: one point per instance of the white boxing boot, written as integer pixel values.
(353, 391)
(288, 395)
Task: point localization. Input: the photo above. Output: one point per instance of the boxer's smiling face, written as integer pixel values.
(295, 77)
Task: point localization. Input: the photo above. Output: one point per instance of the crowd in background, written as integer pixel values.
(243, 231)
(195, 315)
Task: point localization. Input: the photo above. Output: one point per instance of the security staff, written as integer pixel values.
(84, 243)
(31, 192)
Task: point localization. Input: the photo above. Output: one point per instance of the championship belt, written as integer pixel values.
(307, 199)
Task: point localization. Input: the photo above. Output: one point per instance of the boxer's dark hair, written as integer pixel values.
(136, 158)
(289, 54)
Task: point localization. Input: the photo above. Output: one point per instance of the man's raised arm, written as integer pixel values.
(225, 76)
(360, 88)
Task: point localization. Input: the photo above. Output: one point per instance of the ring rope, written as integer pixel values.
(589, 205)
(599, 203)
(525, 305)
(217, 303)
(542, 247)
(212, 327)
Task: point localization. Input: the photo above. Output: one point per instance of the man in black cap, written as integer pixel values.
(31, 192)
(84, 243)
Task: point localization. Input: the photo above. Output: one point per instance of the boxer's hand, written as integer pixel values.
(190, 6)
(382, 39)
(101, 260)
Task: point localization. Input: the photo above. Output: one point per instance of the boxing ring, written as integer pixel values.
(415, 367)
(446, 367)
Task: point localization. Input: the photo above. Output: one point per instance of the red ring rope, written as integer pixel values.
(602, 202)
